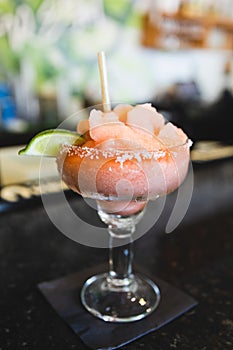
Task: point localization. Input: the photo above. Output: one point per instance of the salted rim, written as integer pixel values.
(120, 154)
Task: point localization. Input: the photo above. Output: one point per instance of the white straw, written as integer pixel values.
(104, 82)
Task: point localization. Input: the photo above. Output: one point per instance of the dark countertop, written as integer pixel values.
(196, 257)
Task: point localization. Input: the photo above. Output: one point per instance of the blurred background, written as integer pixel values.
(177, 54)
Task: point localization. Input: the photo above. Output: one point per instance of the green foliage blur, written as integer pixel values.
(59, 39)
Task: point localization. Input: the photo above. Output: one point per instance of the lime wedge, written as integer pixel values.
(48, 142)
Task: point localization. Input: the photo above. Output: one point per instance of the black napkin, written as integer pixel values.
(64, 296)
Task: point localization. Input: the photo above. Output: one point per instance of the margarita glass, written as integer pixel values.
(122, 176)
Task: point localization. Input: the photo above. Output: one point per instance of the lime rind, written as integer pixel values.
(47, 143)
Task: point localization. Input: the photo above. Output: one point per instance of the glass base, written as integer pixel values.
(129, 301)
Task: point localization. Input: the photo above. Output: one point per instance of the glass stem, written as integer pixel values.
(120, 255)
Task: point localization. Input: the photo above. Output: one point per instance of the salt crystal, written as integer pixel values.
(120, 155)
